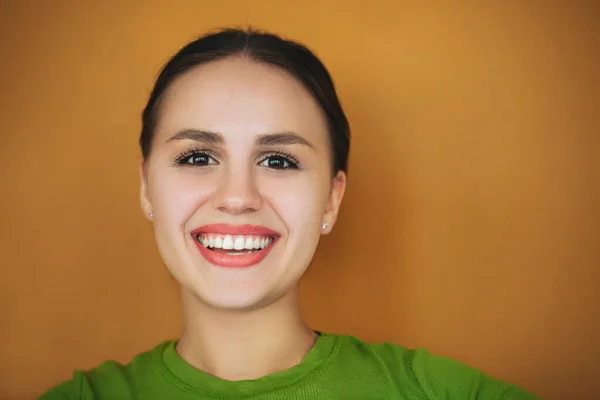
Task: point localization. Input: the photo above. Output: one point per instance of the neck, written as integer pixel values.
(244, 345)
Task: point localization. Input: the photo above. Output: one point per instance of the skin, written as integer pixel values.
(241, 323)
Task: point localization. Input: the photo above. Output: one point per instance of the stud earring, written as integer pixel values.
(150, 215)
(324, 226)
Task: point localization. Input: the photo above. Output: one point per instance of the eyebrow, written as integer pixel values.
(270, 139)
(274, 139)
(198, 136)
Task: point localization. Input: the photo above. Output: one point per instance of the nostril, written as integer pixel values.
(238, 204)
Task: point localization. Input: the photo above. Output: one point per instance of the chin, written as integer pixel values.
(233, 300)
(239, 303)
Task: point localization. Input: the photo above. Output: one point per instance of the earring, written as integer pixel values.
(324, 226)
(150, 215)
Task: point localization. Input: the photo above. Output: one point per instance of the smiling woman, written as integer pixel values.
(244, 161)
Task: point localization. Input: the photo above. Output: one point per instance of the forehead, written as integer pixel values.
(237, 96)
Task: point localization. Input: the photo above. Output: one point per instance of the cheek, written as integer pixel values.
(299, 201)
(176, 195)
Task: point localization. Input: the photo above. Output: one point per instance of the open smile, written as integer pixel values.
(234, 245)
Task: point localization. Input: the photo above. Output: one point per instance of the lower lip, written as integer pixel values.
(237, 261)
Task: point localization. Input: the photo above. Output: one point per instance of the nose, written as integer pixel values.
(237, 193)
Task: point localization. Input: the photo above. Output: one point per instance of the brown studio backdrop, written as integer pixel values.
(470, 225)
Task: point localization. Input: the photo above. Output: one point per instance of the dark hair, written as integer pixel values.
(261, 47)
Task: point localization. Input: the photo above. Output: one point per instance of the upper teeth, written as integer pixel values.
(234, 242)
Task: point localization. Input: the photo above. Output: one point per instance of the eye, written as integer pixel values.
(195, 158)
(279, 161)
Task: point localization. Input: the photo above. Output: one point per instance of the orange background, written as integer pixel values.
(471, 224)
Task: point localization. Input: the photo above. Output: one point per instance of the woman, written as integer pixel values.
(245, 150)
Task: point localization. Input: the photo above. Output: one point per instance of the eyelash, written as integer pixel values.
(184, 158)
(293, 163)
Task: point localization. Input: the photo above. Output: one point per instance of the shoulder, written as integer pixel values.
(435, 376)
(109, 380)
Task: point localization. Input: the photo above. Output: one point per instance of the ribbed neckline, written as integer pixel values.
(192, 379)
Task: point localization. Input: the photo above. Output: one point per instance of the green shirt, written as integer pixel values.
(337, 367)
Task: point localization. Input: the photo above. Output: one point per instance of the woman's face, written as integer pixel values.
(239, 182)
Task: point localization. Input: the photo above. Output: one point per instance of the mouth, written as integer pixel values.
(234, 245)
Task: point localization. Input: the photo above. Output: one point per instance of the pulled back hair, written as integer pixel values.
(261, 47)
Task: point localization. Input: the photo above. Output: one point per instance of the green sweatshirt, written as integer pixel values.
(338, 367)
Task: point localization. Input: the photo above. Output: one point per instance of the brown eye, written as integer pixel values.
(278, 162)
(199, 159)
(195, 159)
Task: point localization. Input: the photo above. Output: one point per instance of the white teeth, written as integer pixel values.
(231, 242)
(239, 243)
(228, 242)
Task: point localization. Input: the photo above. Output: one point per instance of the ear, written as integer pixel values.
(336, 195)
(144, 197)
